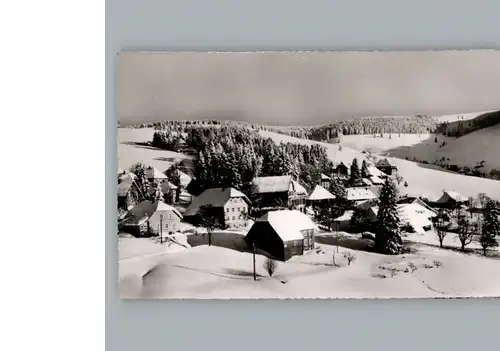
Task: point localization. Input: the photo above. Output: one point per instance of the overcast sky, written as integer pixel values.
(304, 88)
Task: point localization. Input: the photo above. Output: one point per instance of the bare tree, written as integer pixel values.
(441, 227)
(270, 266)
(349, 256)
(466, 229)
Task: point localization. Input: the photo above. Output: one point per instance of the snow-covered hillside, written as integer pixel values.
(423, 180)
(132, 147)
(466, 151)
(210, 272)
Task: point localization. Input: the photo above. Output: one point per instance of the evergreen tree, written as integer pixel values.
(388, 234)
(364, 170)
(491, 226)
(340, 203)
(355, 172)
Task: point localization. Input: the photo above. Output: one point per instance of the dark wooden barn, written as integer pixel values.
(282, 234)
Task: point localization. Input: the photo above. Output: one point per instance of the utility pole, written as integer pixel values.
(161, 228)
(254, 274)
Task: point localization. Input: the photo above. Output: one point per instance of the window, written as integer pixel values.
(238, 209)
(232, 209)
(166, 225)
(233, 218)
(227, 209)
(173, 225)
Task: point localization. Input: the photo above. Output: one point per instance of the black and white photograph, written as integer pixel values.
(305, 175)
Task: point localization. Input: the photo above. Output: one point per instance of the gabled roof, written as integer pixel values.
(288, 224)
(153, 172)
(376, 180)
(362, 182)
(275, 184)
(355, 194)
(185, 179)
(417, 202)
(147, 208)
(126, 183)
(215, 197)
(320, 193)
(453, 195)
(374, 171)
(385, 163)
(298, 188)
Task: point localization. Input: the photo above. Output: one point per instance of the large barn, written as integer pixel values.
(282, 234)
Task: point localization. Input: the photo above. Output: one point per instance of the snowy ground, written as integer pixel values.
(423, 180)
(132, 148)
(209, 272)
(467, 150)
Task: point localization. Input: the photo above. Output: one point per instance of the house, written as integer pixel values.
(418, 206)
(415, 216)
(451, 199)
(282, 234)
(359, 195)
(152, 218)
(280, 191)
(229, 204)
(384, 165)
(342, 170)
(154, 175)
(127, 192)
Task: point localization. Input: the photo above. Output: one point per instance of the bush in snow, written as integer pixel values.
(270, 266)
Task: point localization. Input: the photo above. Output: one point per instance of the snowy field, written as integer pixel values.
(214, 272)
(464, 151)
(132, 148)
(423, 180)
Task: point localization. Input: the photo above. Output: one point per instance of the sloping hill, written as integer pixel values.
(423, 180)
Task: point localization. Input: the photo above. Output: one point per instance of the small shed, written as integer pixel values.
(282, 234)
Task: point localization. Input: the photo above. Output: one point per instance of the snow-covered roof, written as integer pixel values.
(374, 171)
(345, 217)
(320, 193)
(215, 197)
(385, 163)
(418, 205)
(272, 184)
(153, 172)
(366, 204)
(355, 194)
(148, 208)
(288, 224)
(299, 189)
(376, 180)
(455, 195)
(126, 182)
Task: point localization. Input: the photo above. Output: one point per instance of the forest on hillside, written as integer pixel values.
(231, 156)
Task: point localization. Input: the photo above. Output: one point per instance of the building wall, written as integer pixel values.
(171, 222)
(235, 211)
(266, 239)
(293, 248)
